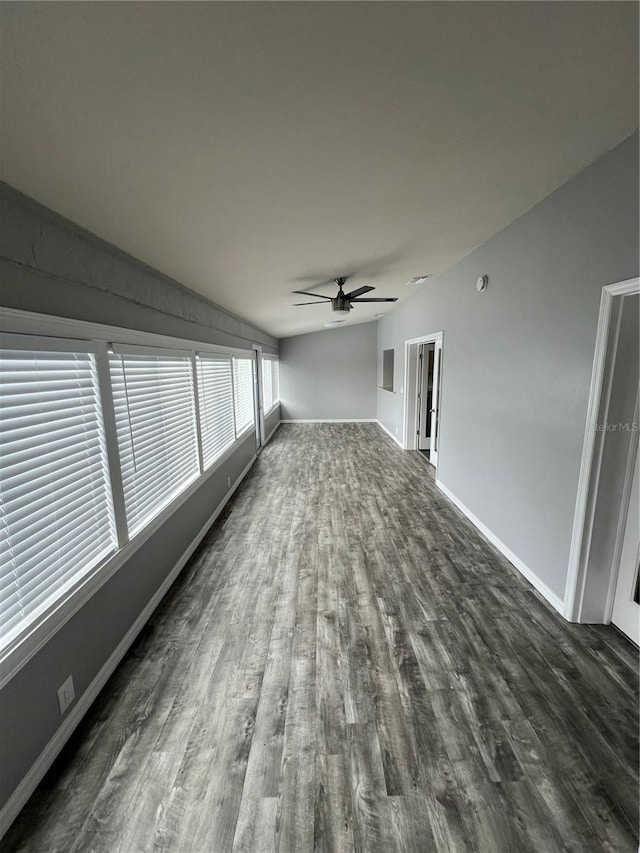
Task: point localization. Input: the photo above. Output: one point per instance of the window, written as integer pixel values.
(154, 407)
(215, 400)
(267, 388)
(96, 441)
(243, 393)
(56, 521)
(387, 369)
(275, 376)
(270, 383)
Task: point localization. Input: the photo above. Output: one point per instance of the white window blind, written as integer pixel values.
(215, 400)
(270, 382)
(56, 520)
(243, 393)
(154, 405)
(275, 378)
(267, 384)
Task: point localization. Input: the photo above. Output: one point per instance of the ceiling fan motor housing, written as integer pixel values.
(341, 304)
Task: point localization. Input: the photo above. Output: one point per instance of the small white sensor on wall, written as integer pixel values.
(481, 283)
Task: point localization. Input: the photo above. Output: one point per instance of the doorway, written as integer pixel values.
(603, 558)
(423, 395)
(427, 411)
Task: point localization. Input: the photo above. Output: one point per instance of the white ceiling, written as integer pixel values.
(248, 149)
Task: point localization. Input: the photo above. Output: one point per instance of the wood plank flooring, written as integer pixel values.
(346, 665)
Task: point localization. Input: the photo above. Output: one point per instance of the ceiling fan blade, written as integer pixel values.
(316, 302)
(359, 291)
(377, 299)
(313, 295)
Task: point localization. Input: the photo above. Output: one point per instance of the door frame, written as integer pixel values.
(591, 461)
(621, 532)
(258, 399)
(434, 413)
(421, 397)
(411, 346)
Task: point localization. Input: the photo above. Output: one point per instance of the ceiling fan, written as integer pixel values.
(341, 303)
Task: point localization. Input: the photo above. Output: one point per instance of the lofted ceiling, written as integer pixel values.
(252, 148)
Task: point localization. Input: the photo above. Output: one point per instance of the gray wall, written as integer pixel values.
(517, 359)
(51, 266)
(329, 374)
(271, 421)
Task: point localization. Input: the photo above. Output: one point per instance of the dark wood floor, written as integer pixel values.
(347, 665)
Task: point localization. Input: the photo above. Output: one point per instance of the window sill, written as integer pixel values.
(245, 432)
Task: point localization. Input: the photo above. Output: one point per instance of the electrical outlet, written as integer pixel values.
(66, 694)
(228, 482)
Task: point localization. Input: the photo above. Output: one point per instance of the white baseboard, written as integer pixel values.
(554, 600)
(29, 783)
(390, 434)
(328, 421)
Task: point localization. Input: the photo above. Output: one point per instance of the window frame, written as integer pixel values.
(201, 356)
(32, 331)
(122, 351)
(41, 343)
(388, 370)
(276, 402)
(251, 424)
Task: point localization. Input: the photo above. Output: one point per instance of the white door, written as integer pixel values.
(435, 403)
(626, 605)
